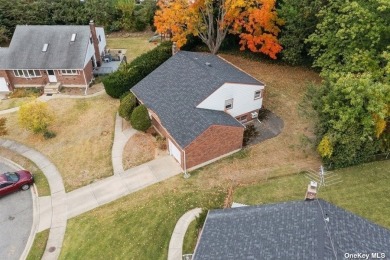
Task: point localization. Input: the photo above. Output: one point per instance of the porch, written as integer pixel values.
(111, 62)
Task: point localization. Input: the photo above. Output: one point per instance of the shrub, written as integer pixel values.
(121, 81)
(128, 103)
(140, 118)
(49, 134)
(35, 116)
(116, 83)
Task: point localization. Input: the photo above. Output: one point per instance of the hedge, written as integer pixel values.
(128, 103)
(121, 81)
(140, 118)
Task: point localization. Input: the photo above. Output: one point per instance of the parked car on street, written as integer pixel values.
(14, 181)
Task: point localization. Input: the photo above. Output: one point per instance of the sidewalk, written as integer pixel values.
(175, 250)
(119, 185)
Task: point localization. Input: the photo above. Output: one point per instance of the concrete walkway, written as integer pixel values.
(175, 250)
(45, 98)
(57, 200)
(120, 139)
(119, 185)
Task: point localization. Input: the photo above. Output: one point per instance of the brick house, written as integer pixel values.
(58, 54)
(200, 103)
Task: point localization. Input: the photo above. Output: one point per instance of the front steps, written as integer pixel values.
(52, 88)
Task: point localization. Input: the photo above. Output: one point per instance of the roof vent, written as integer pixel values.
(44, 49)
(208, 64)
(73, 37)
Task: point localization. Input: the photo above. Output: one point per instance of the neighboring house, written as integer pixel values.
(200, 102)
(42, 54)
(293, 230)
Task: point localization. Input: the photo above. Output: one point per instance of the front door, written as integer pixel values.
(52, 76)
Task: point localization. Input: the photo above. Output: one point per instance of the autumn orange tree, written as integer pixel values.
(255, 21)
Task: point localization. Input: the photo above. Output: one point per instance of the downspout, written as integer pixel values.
(186, 174)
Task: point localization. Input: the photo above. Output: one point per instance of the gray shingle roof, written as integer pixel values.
(291, 230)
(25, 50)
(175, 88)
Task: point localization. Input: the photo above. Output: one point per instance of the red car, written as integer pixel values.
(13, 181)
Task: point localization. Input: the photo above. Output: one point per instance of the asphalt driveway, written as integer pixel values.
(16, 219)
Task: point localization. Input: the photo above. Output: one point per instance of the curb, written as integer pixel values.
(34, 195)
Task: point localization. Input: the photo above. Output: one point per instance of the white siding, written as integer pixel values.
(102, 43)
(242, 95)
(90, 53)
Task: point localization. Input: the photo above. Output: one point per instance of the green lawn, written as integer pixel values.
(39, 245)
(135, 45)
(190, 239)
(140, 225)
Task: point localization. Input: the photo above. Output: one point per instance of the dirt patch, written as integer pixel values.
(81, 91)
(139, 149)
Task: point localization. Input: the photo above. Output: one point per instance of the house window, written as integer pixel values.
(258, 94)
(90, 39)
(243, 119)
(27, 73)
(69, 72)
(229, 104)
(100, 38)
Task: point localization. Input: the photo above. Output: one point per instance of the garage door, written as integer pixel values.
(3, 85)
(174, 151)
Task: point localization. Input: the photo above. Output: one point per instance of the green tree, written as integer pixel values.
(349, 107)
(128, 103)
(140, 118)
(351, 36)
(300, 17)
(35, 116)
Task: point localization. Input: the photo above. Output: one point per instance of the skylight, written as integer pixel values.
(44, 49)
(73, 37)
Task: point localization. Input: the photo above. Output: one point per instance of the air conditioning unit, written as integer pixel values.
(254, 115)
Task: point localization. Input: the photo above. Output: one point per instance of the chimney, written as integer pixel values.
(175, 49)
(95, 43)
(311, 192)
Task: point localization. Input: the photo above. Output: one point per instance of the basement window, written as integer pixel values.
(229, 104)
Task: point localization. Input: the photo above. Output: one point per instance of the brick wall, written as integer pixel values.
(214, 142)
(65, 80)
(247, 115)
(23, 82)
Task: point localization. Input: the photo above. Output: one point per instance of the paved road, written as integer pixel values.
(16, 219)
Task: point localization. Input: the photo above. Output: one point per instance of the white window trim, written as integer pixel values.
(260, 94)
(25, 74)
(69, 72)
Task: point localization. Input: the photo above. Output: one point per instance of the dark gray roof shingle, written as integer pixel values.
(25, 50)
(175, 88)
(291, 230)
